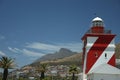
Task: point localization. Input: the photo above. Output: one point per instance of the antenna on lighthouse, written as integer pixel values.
(95, 14)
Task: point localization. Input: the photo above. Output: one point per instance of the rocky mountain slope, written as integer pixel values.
(74, 59)
(117, 51)
(62, 53)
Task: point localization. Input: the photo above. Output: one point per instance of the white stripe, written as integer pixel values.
(91, 41)
(110, 50)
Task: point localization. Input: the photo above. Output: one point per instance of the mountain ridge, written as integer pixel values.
(62, 53)
(75, 58)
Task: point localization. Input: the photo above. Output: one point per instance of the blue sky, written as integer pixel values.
(30, 29)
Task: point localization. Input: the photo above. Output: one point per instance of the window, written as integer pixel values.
(96, 54)
(98, 23)
(105, 55)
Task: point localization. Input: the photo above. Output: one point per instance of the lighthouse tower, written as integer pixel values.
(98, 47)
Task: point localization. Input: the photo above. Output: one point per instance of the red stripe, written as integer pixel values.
(103, 41)
(112, 60)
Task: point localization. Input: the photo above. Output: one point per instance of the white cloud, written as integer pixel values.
(2, 37)
(26, 52)
(32, 53)
(55, 47)
(42, 46)
(2, 54)
(34, 49)
(77, 47)
(15, 50)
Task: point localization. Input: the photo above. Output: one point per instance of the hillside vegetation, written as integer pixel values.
(74, 59)
(117, 51)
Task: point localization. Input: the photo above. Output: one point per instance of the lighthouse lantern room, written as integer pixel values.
(98, 47)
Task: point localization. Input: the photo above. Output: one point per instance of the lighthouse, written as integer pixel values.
(98, 49)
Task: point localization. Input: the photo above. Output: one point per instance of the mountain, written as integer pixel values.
(117, 51)
(73, 59)
(67, 57)
(62, 53)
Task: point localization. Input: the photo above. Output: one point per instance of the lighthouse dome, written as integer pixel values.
(97, 19)
(97, 22)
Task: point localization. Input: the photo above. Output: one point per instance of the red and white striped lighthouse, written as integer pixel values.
(98, 47)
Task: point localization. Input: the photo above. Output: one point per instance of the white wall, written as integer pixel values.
(104, 77)
(109, 51)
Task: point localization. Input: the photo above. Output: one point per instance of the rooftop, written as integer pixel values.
(97, 19)
(105, 69)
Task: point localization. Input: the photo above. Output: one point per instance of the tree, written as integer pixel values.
(6, 63)
(42, 69)
(73, 69)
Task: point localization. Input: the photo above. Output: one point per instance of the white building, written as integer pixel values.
(104, 72)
